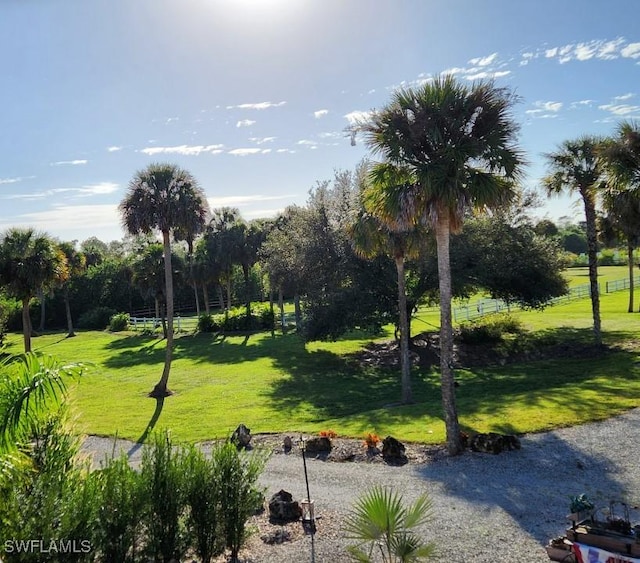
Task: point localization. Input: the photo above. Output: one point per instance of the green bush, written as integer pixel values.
(206, 323)
(96, 319)
(490, 328)
(119, 322)
(235, 320)
(164, 490)
(118, 534)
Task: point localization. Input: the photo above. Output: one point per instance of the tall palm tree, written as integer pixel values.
(621, 161)
(76, 264)
(623, 209)
(29, 262)
(575, 167)
(459, 143)
(166, 198)
(372, 236)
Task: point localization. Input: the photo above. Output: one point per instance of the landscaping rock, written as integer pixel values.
(282, 507)
(393, 451)
(318, 444)
(287, 444)
(241, 436)
(493, 442)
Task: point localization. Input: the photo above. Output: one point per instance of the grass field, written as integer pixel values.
(277, 383)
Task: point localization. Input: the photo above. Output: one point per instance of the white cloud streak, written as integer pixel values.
(185, 150)
(245, 123)
(248, 151)
(259, 105)
(320, 113)
(69, 162)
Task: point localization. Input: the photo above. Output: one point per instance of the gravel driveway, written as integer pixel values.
(487, 508)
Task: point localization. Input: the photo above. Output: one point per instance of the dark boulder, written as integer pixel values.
(282, 507)
(393, 451)
(241, 436)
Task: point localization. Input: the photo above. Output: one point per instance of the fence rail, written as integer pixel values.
(481, 307)
(151, 323)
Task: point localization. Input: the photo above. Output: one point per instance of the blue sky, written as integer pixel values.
(253, 96)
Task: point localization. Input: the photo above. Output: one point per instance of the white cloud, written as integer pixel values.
(11, 180)
(289, 151)
(186, 150)
(454, 70)
(357, 116)
(114, 148)
(320, 113)
(262, 140)
(245, 123)
(61, 217)
(488, 74)
(544, 110)
(587, 103)
(246, 152)
(624, 96)
(259, 105)
(632, 51)
(484, 61)
(103, 188)
(71, 162)
(620, 109)
(550, 53)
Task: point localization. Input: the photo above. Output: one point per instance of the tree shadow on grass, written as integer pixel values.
(150, 426)
(549, 465)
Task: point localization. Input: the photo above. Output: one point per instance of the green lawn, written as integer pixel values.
(276, 383)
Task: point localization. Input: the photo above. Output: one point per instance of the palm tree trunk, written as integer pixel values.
(630, 262)
(298, 312)
(226, 310)
(592, 246)
(161, 390)
(454, 445)
(205, 296)
(43, 310)
(247, 295)
(26, 325)
(67, 309)
(197, 297)
(281, 306)
(405, 364)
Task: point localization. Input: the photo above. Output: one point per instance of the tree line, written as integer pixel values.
(371, 244)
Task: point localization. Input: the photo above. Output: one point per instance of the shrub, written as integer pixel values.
(237, 476)
(235, 320)
(163, 486)
(118, 322)
(207, 323)
(489, 329)
(96, 319)
(118, 533)
(380, 522)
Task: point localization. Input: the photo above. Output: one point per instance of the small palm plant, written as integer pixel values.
(385, 527)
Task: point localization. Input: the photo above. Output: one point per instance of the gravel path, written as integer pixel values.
(487, 508)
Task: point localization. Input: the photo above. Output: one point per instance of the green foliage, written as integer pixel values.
(235, 320)
(381, 523)
(119, 322)
(580, 503)
(97, 318)
(118, 536)
(490, 328)
(237, 473)
(30, 387)
(203, 501)
(164, 488)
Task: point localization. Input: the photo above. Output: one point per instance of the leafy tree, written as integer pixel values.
(574, 167)
(457, 144)
(148, 275)
(76, 264)
(167, 198)
(373, 236)
(546, 227)
(29, 262)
